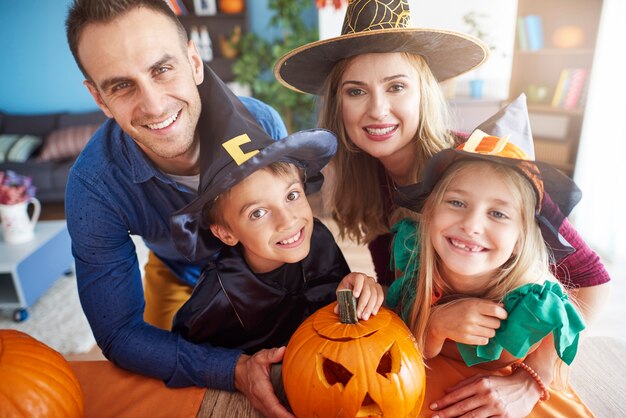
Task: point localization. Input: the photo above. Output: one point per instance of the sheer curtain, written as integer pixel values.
(601, 165)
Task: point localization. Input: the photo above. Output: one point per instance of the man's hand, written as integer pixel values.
(252, 378)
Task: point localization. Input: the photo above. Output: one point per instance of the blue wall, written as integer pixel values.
(38, 73)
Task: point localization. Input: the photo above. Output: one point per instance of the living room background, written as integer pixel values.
(42, 76)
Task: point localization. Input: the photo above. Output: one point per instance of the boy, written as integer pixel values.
(279, 266)
(275, 264)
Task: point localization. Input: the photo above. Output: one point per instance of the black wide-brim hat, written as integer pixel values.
(556, 193)
(232, 146)
(379, 26)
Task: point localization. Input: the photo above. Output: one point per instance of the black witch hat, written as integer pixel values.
(232, 146)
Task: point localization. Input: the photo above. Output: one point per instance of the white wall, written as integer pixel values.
(448, 14)
(600, 169)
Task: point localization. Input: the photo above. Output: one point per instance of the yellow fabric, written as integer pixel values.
(164, 293)
(443, 372)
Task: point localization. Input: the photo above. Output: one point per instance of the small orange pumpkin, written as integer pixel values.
(231, 6)
(35, 380)
(370, 368)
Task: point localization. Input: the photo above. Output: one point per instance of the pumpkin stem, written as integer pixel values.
(347, 307)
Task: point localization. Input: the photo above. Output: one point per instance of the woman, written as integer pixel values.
(381, 97)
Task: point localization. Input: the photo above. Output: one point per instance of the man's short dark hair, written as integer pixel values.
(84, 12)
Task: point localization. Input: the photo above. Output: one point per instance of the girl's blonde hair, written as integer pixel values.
(357, 198)
(529, 264)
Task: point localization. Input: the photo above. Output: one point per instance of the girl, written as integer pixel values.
(379, 84)
(484, 263)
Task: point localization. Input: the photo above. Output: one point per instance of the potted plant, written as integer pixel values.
(476, 22)
(257, 56)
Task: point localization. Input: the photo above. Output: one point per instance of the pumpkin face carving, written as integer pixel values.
(371, 368)
(35, 380)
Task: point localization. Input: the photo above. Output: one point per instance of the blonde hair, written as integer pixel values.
(530, 263)
(357, 198)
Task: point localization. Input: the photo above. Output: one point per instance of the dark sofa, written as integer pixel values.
(68, 131)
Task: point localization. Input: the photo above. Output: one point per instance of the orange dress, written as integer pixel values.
(444, 372)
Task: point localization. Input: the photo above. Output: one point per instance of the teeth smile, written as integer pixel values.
(380, 131)
(167, 122)
(462, 246)
(292, 239)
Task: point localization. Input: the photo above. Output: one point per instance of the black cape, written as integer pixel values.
(233, 307)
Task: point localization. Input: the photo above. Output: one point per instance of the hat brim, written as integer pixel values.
(310, 150)
(561, 193)
(447, 53)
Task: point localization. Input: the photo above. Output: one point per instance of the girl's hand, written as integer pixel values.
(366, 289)
(469, 321)
(489, 396)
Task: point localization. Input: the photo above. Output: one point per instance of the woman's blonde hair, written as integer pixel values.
(357, 179)
(529, 263)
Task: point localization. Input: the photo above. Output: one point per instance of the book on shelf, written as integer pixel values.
(577, 81)
(522, 39)
(534, 32)
(561, 88)
(569, 91)
(178, 7)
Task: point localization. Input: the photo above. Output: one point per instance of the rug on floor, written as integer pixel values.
(56, 319)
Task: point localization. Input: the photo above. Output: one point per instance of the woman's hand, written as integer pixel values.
(487, 396)
(469, 321)
(252, 378)
(366, 289)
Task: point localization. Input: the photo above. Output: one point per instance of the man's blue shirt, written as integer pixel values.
(114, 191)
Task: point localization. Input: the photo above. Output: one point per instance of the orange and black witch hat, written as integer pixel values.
(506, 138)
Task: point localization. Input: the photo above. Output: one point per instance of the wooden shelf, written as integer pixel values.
(545, 108)
(558, 129)
(220, 24)
(556, 51)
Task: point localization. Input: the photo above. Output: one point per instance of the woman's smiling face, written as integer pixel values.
(380, 103)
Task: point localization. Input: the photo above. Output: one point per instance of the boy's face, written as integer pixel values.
(271, 217)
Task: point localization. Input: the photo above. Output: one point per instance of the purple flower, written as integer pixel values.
(15, 188)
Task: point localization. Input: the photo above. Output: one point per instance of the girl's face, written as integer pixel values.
(380, 104)
(475, 229)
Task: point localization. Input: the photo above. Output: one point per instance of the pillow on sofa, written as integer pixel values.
(66, 142)
(18, 148)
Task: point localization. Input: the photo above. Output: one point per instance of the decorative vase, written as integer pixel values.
(231, 6)
(476, 88)
(17, 226)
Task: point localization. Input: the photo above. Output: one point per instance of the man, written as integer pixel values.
(138, 169)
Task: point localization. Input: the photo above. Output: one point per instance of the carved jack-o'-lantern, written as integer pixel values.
(367, 368)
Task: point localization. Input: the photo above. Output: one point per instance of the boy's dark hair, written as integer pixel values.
(211, 213)
(84, 12)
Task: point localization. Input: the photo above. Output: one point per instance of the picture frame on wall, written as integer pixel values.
(205, 7)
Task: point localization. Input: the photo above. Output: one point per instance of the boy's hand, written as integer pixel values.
(366, 289)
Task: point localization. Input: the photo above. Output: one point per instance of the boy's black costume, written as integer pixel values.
(233, 307)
